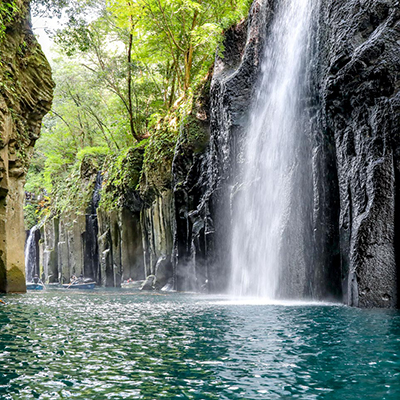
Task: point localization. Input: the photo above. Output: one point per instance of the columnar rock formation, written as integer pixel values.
(25, 97)
(360, 118)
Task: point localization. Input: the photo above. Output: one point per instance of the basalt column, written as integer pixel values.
(26, 91)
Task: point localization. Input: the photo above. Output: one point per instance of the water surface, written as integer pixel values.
(119, 345)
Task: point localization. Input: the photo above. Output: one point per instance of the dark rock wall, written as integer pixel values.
(89, 239)
(355, 123)
(203, 181)
(157, 228)
(360, 116)
(120, 247)
(323, 282)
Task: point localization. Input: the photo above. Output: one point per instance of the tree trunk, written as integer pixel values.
(130, 103)
(172, 93)
(189, 55)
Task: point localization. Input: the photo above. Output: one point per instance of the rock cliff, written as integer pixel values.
(25, 97)
(360, 116)
(355, 119)
(182, 235)
(202, 180)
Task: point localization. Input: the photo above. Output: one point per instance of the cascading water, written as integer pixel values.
(91, 250)
(263, 205)
(31, 254)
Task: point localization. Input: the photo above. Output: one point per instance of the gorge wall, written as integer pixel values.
(359, 119)
(181, 235)
(25, 97)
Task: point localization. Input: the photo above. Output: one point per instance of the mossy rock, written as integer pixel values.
(121, 176)
(195, 134)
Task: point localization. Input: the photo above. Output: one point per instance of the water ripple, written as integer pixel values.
(113, 345)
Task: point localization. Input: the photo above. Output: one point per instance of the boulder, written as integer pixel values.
(149, 283)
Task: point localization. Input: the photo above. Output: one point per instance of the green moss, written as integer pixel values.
(30, 216)
(195, 126)
(121, 176)
(195, 134)
(158, 157)
(9, 11)
(74, 192)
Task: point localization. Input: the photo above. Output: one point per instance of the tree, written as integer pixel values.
(106, 50)
(180, 34)
(128, 69)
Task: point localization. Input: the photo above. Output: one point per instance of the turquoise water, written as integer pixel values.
(118, 345)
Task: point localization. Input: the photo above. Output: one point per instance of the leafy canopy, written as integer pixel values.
(127, 73)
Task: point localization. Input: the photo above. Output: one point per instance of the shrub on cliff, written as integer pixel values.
(121, 174)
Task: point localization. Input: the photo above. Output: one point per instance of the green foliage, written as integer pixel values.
(30, 216)
(8, 12)
(96, 154)
(35, 182)
(181, 34)
(106, 52)
(121, 174)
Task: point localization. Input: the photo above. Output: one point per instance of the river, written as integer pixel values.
(114, 344)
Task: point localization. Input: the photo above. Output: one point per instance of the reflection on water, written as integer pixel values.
(114, 345)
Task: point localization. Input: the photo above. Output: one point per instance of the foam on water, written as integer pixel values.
(257, 301)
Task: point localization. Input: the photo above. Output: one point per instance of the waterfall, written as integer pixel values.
(91, 249)
(263, 214)
(32, 254)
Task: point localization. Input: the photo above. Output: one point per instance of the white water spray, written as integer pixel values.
(262, 205)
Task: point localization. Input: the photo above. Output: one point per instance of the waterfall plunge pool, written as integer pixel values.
(112, 344)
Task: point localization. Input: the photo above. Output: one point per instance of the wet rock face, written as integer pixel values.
(360, 104)
(201, 254)
(355, 155)
(26, 91)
